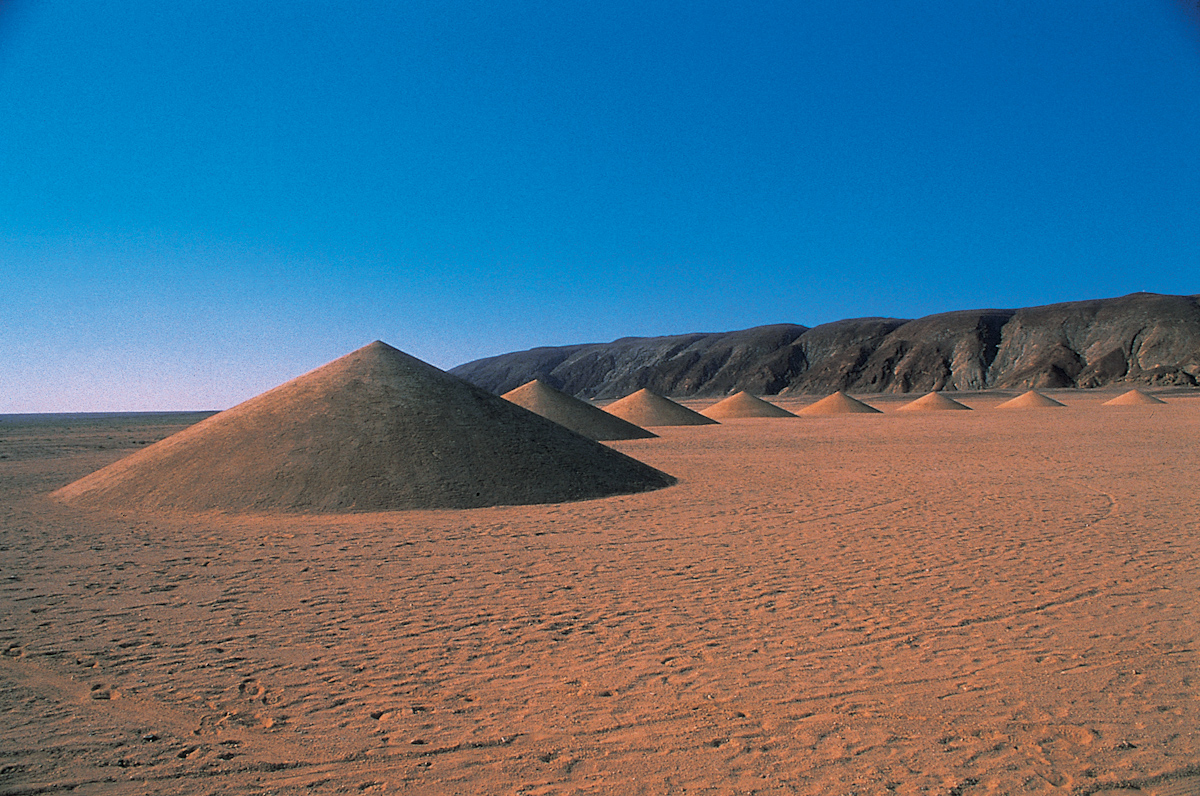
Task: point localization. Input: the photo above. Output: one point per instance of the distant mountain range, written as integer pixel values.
(1143, 338)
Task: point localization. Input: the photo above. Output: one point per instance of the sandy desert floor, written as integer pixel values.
(944, 603)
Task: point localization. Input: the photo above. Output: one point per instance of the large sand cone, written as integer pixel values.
(743, 404)
(374, 430)
(645, 408)
(838, 404)
(1134, 398)
(580, 416)
(1030, 400)
(933, 402)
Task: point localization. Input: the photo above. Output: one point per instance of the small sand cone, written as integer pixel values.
(1134, 398)
(645, 408)
(1030, 400)
(580, 416)
(838, 404)
(933, 402)
(743, 404)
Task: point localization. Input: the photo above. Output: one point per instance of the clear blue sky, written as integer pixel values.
(201, 200)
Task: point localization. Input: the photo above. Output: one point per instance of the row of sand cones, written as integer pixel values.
(379, 430)
(628, 417)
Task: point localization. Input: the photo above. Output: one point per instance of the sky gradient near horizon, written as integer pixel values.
(199, 201)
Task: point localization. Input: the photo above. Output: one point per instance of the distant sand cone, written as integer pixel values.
(375, 430)
(743, 404)
(580, 416)
(838, 404)
(1134, 398)
(933, 402)
(1030, 400)
(645, 408)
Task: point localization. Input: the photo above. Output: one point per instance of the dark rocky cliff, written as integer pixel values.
(1142, 338)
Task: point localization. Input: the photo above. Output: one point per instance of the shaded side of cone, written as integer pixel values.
(933, 402)
(1134, 398)
(1030, 400)
(838, 404)
(375, 430)
(646, 408)
(742, 405)
(579, 416)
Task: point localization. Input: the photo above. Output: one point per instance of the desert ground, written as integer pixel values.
(985, 602)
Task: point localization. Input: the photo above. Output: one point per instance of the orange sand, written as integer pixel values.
(954, 602)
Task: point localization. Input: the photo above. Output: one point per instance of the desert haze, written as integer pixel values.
(972, 602)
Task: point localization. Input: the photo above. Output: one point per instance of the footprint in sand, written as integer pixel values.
(253, 691)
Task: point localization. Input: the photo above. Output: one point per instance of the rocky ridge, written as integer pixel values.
(1142, 338)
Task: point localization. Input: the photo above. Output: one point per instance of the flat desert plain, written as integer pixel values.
(913, 603)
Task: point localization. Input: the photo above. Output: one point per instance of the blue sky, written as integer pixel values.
(199, 201)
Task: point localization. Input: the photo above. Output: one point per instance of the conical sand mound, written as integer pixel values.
(1134, 398)
(743, 404)
(838, 404)
(645, 408)
(374, 430)
(933, 402)
(567, 410)
(1030, 400)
